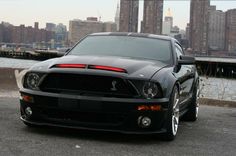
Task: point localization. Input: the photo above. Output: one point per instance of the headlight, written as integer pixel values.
(150, 90)
(32, 81)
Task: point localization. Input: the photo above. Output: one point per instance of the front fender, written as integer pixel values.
(167, 81)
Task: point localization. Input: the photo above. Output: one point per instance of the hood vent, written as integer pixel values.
(69, 66)
(108, 68)
(96, 67)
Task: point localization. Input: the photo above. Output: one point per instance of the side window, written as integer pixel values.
(178, 50)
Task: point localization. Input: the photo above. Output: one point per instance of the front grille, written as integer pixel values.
(89, 85)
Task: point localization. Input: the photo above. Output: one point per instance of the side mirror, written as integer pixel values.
(186, 60)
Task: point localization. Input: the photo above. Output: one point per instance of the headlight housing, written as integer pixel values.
(150, 90)
(32, 80)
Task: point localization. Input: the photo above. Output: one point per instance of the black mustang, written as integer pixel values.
(121, 82)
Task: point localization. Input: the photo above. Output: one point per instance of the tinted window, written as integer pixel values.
(125, 46)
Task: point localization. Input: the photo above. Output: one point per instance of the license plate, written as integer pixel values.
(65, 103)
(87, 105)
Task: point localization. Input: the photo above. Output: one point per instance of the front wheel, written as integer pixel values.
(29, 125)
(172, 123)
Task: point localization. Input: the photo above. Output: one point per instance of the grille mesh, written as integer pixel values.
(87, 85)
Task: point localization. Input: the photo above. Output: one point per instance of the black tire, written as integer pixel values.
(192, 113)
(173, 108)
(29, 125)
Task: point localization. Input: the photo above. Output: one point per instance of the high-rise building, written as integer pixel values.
(109, 27)
(6, 32)
(187, 30)
(169, 17)
(152, 16)
(168, 23)
(1, 32)
(79, 29)
(199, 18)
(230, 33)
(61, 33)
(36, 25)
(50, 26)
(174, 31)
(129, 15)
(117, 17)
(216, 29)
(18, 34)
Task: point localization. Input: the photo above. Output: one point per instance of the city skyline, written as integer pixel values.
(27, 12)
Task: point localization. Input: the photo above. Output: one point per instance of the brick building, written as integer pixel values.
(129, 15)
(199, 19)
(152, 16)
(79, 28)
(6, 32)
(230, 33)
(22, 34)
(216, 29)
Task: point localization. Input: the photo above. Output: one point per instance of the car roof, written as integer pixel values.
(146, 35)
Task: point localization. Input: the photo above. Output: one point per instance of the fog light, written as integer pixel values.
(144, 122)
(28, 111)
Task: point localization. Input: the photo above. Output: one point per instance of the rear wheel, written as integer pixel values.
(192, 113)
(173, 116)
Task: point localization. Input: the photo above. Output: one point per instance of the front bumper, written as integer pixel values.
(92, 113)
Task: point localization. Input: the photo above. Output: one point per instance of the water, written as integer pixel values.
(213, 88)
(16, 63)
(13, 63)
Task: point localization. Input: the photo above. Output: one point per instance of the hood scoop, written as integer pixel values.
(85, 66)
(69, 66)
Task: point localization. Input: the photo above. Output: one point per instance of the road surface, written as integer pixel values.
(213, 134)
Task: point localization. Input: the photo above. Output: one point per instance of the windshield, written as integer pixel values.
(125, 46)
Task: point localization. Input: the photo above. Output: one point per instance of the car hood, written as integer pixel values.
(141, 68)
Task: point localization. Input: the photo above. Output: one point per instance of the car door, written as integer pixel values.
(185, 75)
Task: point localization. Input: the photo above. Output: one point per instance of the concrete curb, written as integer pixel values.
(8, 83)
(220, 103)
(8, 79)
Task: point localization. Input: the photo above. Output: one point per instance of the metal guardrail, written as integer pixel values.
(35, 55)
(207, 66)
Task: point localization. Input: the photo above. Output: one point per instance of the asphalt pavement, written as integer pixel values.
(213, 134)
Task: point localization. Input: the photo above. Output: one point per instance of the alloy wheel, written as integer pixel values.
(175, 113)
(197, 100)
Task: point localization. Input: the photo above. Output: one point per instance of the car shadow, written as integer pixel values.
(110, 137)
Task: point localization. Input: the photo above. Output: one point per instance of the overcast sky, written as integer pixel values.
(61, 11)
